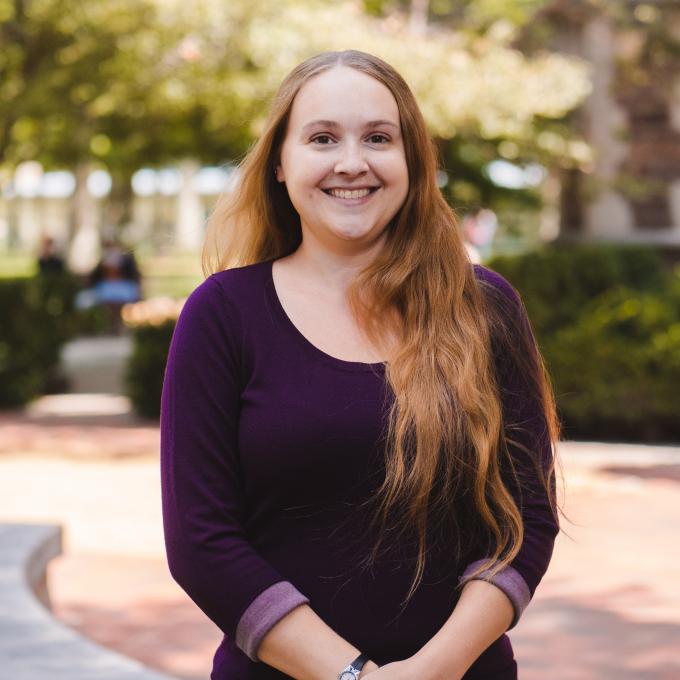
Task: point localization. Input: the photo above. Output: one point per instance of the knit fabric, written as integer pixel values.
(268, 448)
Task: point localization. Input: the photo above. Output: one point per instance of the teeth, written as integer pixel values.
(357, 193)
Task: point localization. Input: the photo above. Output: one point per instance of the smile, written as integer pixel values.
(350, 194)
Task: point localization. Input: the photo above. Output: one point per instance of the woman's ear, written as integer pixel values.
(278, 173)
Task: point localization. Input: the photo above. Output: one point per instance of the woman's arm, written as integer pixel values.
(528, 431)
(304, 647)
(208, 549)
(487, 609)
(482, 614)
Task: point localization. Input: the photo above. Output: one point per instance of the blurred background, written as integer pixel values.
(121, 121)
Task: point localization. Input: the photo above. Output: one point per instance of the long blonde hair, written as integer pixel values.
(447, 441)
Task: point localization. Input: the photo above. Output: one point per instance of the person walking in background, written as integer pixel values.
(357, 427)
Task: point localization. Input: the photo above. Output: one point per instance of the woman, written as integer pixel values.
(357, 427)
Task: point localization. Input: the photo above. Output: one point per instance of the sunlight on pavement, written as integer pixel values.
(608, 608)
(79, 405)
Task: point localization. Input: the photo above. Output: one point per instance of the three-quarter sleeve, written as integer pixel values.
(526, 426)
(208, 551)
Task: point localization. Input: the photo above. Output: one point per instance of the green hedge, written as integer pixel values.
(144, 374)
(36, 319)
(617, 369)
(557, 281)
(608, 323)
(607, 319)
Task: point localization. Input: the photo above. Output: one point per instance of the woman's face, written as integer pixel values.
(342, 158)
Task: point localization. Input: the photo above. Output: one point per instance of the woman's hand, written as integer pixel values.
(368, 667)
(413, 668)
(397, 670)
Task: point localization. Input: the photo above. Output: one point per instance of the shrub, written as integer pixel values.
(36, 319)
(144, 375)
(617, 368)
(152, 322)
(607, 319)
(557, 281)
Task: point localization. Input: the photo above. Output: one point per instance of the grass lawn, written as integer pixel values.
(16, 265)
(174, 275)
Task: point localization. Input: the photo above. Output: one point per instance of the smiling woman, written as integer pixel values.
(357, 427)
(343, 141)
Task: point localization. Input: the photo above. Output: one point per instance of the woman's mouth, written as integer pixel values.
(351, 194)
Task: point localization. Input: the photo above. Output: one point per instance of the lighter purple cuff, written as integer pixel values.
(267, 609)
(509, 580)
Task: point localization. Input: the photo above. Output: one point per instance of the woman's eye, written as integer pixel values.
(377, 138)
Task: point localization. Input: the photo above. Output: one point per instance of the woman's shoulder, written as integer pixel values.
(237, 286)
(226, 295)
(236, 282)
(497, 282)
(507, 311)
(510, 323)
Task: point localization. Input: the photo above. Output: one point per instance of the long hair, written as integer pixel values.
(446, 438)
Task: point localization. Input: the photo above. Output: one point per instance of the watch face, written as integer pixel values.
(348, 675)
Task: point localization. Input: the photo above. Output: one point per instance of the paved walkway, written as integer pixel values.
(608, 609)
(96, 364)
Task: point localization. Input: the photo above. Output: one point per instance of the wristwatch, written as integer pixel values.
(352, 671)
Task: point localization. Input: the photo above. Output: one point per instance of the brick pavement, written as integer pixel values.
(608, 609)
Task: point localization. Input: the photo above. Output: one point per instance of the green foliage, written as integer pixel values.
(101, 81)
(465, 161)
(36, 319)
(607, 319)
(17, 265)
(479, 15)
(617, 368)
(556, 282)
(144, 374)
(133, 83)
(474, 15)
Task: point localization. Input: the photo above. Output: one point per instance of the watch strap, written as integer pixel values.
(355, 667)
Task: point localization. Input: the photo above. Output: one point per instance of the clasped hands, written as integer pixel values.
(412, 668)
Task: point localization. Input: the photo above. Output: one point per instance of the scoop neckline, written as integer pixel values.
(311, 348)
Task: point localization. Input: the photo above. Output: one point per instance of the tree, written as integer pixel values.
(131, 83)
(482, 98)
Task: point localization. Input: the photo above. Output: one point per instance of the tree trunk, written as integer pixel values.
(83, 246)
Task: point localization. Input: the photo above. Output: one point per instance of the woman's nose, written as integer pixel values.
(351, 159)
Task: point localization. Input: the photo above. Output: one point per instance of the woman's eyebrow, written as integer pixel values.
(333, 124)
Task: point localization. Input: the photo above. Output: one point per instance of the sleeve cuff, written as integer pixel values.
(267, 609)
(509, 580)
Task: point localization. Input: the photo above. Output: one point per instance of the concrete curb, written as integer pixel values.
(33, 644)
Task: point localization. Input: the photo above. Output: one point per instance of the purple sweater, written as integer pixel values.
(267, 443)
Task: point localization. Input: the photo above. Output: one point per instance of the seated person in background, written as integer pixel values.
(116, 277)
(115, 281)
